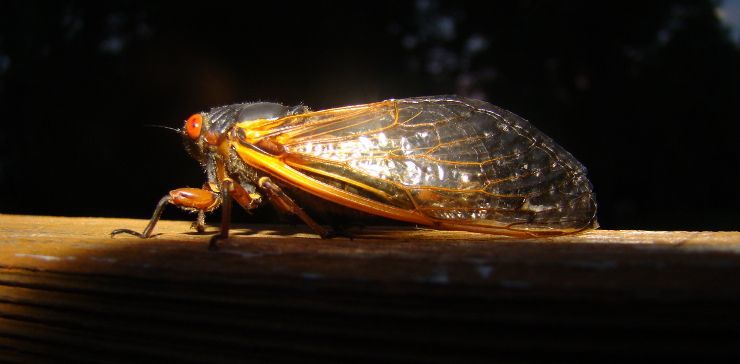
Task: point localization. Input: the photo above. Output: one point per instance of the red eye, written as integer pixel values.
(193, 126)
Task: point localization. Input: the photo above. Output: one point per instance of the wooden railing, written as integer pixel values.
(69, 292)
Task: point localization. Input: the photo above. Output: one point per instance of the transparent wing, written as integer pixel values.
(450, 158)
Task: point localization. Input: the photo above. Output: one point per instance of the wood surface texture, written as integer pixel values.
(278, 293)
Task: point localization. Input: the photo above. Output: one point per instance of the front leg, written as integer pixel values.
(188, 198)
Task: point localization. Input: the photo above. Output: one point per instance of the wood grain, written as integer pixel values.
(279, 293)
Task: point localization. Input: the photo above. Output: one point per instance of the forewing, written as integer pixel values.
(450, 158)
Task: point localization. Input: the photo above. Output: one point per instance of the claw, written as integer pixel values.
(127, 231)
(198, 227)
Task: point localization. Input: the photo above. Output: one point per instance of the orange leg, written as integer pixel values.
(189, 198)
(205, 200)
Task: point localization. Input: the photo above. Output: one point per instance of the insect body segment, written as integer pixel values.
(446, 162)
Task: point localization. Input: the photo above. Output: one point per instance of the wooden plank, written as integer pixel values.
(279, 293)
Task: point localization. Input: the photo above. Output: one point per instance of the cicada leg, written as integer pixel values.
(189, 198)
(286, 204)
(200, 222)
(230, 189)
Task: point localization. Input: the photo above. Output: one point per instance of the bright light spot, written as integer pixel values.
(440, 172)
(405, 146)
(412, 174)
(366, 143)
(382, 140)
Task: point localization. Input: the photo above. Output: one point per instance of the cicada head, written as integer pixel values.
(204, 132)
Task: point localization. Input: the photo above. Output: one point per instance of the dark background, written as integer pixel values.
(645, 94)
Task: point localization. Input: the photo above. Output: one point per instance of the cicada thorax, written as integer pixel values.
(212, 145)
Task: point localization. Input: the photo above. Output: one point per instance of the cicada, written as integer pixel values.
(444, 162)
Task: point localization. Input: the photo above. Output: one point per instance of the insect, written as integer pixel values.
(445, 162)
